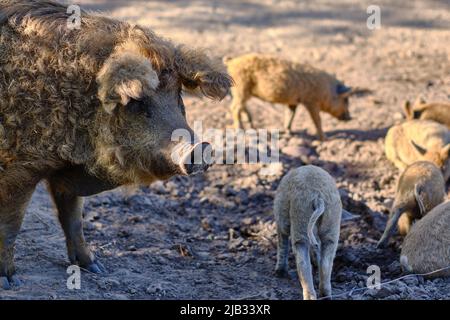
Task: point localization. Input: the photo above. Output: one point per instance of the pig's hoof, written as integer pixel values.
(96, 267)
(325, 295)
(7, 283)
(281, 273)
(382, 245)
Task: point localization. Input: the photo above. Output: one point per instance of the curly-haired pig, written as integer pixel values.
(280, 81)
(89, 110)
(308, 208)
(419, 140)
(426, 248)
(420, 188)
(436, 111)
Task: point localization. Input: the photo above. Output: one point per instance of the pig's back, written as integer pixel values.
(308, 182)
(427, 245)
(427, 133)
(439, 112)
(266, 77)
(428, 179)
(48, 89)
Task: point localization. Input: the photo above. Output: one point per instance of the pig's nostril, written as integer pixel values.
(199, 159)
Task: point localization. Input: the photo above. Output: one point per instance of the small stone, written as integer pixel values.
(398, 116)
(97, 225)
(113, 282)
(387, 203)
(248, 221)
(91, 216)
(316, 143)
(223, 256)
(341, 277)
(394, 267)
(154, 288)
(158, 187)
(411, 281)
(350, 257)
(88, 226)
(123, 234)
(132, 290)
(384, 292)
(272, 169)
(295, 151)
(386, 180)
(206, 224)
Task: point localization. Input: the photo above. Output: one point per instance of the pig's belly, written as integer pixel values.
(275, 94)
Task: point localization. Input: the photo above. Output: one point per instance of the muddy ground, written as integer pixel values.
(212, 236)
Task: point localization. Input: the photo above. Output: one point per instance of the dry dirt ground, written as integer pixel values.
(212, 236)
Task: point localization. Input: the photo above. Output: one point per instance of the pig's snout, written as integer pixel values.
(193, 158)
(198, 159)
(345, 116)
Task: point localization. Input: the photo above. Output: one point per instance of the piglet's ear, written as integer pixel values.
(445, 152)
(344, 91)
(198, 71)
(407, 108)
(125, 76)
(419, 101)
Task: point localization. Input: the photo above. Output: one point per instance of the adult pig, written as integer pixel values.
(89, 109)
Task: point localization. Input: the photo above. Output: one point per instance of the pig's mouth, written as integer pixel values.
(182, 158)
(345, 117)
(192, 158)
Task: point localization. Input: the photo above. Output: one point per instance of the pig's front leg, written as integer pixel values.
(16, 187)
(289, 117)
(315, 116)
(70, 208)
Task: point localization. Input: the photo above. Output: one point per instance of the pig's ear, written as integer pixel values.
(445, 152)
(123, 77)
(419, 101)
(419, 149)
(344, 91)
(407, 107)
(130, 89)
(419, 199)
(360, 92)
(198, 71)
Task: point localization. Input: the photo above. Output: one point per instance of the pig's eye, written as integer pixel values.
(135, 106)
